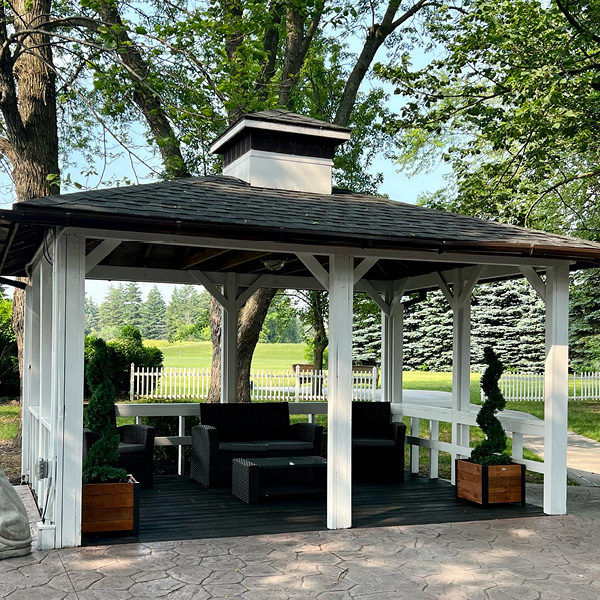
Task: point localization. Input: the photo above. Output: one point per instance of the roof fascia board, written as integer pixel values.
(293, 248)
(244, 123)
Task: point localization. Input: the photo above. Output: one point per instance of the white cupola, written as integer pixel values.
(281, 150)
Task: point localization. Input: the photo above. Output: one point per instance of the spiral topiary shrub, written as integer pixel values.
(98, 466)
(491, 450)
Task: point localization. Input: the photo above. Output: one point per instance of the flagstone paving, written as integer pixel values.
(541, 558)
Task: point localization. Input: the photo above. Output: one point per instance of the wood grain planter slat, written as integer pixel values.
(487, 485)
(110, 507)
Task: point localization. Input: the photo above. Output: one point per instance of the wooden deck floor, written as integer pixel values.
(178, 508)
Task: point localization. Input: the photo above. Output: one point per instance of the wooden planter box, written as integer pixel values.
(486, 484)
(108, 507)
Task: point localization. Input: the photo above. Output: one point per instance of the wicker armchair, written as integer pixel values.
(257, 430)
(136, 449)
(377, 443)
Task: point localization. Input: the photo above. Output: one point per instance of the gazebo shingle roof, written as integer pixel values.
(217, 205)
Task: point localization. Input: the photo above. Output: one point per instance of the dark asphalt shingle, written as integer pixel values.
(222, 200)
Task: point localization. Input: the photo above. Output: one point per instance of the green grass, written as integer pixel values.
(442, 382)
(9, 421)
(199, 354)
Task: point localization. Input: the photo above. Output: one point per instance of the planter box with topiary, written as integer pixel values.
(110, 498)
(489, 477)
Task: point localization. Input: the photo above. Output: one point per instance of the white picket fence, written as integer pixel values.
(173, 383)
(518, 387)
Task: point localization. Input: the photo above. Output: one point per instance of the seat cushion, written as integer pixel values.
(285, 445)
(245, 446)
(372, 442)
(131, 448)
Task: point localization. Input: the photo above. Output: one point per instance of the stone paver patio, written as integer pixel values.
(543, 558)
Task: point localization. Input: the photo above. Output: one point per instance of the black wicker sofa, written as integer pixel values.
(255, 430)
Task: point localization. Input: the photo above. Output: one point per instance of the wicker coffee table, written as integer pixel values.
(256, 478)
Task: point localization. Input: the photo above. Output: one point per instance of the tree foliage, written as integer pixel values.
(9, 363)
(512, 104)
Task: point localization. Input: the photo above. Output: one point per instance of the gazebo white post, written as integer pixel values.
(386, 351)
(44, 357)
(31, 348)
(67, 385)
(339, 405)
(460, 301)
(229, 328)
(556, 390)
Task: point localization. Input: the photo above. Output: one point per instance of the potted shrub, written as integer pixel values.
(489, 477)
(109, 497)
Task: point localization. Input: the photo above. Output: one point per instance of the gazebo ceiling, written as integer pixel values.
(221, 208)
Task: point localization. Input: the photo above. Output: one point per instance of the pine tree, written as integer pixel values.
(428, 334)
(186, 316)
(92, 320)
(111, 314)
(508, 317)
(132, 309)
(584, 321)
(154, 324)
(366, 331)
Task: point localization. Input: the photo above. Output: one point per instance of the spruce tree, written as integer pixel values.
(366, 331)
(154, 324)
(92, 320)
(584, 321)
(132, 309)
(111, 314)
(428, 334)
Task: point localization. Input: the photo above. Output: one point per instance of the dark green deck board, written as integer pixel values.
(178, 508)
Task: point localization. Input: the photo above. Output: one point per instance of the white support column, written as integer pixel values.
(556, 390)
(229, 328)
(339, 441)
(67, 386)
(461, 356)
(397, 341)
(30, 325)
(386, 352)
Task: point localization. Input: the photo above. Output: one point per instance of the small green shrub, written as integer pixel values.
(126, 349)
(98, 465)
(491, 450)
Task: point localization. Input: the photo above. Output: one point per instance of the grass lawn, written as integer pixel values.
(9, 419)
(199, 354)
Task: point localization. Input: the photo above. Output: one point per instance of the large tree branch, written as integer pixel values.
(557, 186)
(577, 25)
(296, 49)
(376, 36)
(270, 46)
(6, 148)
(149, 103)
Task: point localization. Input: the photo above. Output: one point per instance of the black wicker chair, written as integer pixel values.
(254, 430)
(136, 449)
(377, 443)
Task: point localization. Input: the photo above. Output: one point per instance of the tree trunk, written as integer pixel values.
(214, 391)
(30, 125)
(250, 322)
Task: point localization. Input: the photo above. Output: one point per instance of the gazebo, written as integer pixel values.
(274, 202)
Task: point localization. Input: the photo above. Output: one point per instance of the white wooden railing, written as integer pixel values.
(517, 387)
(516, 424)
(191, 383)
